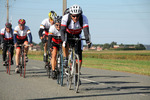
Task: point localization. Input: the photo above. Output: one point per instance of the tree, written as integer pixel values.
(106, 46)
(140, 47)
(112, 44)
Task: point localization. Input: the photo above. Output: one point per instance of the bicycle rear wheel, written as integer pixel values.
(49, 70)
(9, 62)
(24, 65)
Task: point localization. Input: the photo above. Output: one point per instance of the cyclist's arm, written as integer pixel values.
(63, 31)
(30, 37)
(15, 38)
(50, 41)
(87, 34)
(41, 33)
(2, 38)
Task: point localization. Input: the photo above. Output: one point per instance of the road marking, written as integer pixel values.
(36, 68)
(143, 94)
(89, 80)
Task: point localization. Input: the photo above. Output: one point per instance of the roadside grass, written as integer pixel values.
(137, 62)
(131, 66)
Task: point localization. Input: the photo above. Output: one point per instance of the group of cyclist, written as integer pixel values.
(54, 31)
(19, 35)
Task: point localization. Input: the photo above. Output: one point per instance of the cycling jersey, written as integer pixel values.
(74, 28)
(45, 25)
(7, 37)
(56, 34)
(22, 34)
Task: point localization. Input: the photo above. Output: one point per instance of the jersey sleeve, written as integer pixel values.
(2, 32)
(85, 21)
(28, 30)
(42, 26)
(64, 20)
(16, 30)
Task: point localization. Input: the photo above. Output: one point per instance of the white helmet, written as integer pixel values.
(75, 9)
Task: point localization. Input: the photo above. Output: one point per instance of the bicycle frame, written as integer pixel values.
(74, 66)
(8, 58)
(22, 61)
(59, 66)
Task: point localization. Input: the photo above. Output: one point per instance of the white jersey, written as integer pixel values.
(45, 25)
(56, 34)
(7, 36)
(74, 28)
(53, 31)
(22, 34)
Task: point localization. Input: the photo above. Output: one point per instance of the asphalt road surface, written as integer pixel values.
(96, 85)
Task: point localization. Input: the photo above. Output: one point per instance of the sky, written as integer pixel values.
(121, 21)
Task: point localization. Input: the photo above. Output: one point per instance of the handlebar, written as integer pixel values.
(76, 39)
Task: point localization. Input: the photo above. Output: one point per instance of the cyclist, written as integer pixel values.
(7, 39)
(54, 40)
(21, 35)
(43, 32)
(72, 25)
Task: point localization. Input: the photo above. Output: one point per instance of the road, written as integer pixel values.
(96, 85)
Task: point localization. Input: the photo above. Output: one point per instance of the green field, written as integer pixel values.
(137, 62)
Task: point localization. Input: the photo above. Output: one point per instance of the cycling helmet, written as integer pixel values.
(58, 19)
(21, 21)
(66, 11)
(52, 15)
(75, 9)
(8, 25)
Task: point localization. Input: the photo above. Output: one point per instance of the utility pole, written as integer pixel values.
(7, 11)
(64, 6)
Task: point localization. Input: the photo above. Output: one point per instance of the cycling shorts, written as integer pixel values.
(78, 49)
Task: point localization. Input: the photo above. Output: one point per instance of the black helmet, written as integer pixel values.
(8, 25)
(66, 11)
(58, 19)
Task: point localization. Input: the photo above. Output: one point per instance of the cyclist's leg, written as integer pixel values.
(12, 54)
(26, 48)
(45, 56)
(4, 53)
(17, 55)
(53, 62)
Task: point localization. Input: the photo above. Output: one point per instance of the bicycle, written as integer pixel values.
(22, 61)
(48, 65)
(73, 70)
(59, 66)
(8, 59)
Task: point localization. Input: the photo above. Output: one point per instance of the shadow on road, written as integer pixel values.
(95, 95)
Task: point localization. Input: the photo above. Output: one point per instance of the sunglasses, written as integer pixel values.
(75, 16)
(57, 24)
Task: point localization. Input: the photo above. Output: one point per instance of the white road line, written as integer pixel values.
(89, 80)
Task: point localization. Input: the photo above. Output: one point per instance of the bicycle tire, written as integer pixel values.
(24, 65)
(62, 69)
(77, 81)
(58, 70)
(9, 62)
(49, 70)
(70, 66)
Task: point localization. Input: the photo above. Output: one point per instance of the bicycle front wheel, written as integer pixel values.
(76, 73)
